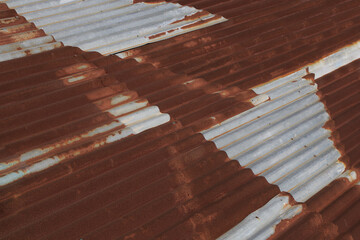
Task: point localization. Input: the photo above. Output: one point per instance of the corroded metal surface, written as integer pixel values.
(131, 150)
(71, 108)
(113, 26)
(293, 165)
(170, 172)
(19, 38)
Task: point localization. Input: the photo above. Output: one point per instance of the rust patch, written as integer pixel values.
(201, 22)
(195, 16)
(148, 1)
(168, 181)
(157, 35)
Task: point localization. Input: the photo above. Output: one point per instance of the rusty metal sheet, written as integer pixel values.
(19, 38)
(113, 26)
(285, 164)
(89, 175)
(39, 143)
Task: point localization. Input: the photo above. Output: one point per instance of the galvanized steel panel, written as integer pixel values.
(97, 182)
(113, 26)
(19, 38)
(285, 141)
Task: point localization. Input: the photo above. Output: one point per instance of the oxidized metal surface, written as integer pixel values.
(301, 162)
(173, 181)
(19, 38)
(71, 108)
(113, 26)
(171, 172)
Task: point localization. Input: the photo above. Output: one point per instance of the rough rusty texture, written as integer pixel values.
(165, 181)
(333, 213)
(339, 202)
(339, 90)
(337, 205)
(261, 40)
(248, 50)
(51, 96)
(15, 30)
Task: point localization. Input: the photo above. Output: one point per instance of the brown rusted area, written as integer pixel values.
(192, 17)
(201, 22)
(167, 182)
(306, 225)
(339, 203)
(157, 35)
(332, 213)
(339, 91)
(148, 1)
(15, 28)
(170, 172)
(247, 51)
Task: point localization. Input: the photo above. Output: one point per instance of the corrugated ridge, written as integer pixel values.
(292, 44)
(19, 38)
(188, 202)
(336, 207)
(152, 84)
(338, 203)
(189, 141)
(53, 131)
(339, 91)
(113, 26)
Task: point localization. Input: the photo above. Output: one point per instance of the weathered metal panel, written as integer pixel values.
(113, 26)
(171, 181)
(19, 38)
(125, 114)
(287, 142)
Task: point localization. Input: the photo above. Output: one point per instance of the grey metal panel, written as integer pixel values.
(285, 141)
(112, 26)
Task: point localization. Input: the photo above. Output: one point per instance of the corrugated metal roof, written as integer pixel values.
(209, 161)
(19, 38)
(112, 26)
(300, 162)
(72, 107)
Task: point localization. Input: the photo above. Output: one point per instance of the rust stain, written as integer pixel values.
(157, 35)
(201, 22)
(195, 16)
(169, 181)
(148, 1)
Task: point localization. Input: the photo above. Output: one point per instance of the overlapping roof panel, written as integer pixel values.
(240, 130)
(60, 105)
(112, 26)
(19, 38)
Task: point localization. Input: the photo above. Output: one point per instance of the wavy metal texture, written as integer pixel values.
(301, 162)
(170, 172)
(248, 56)
(60, 105)
(19, 38)
(113, 25)
(169, 182)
